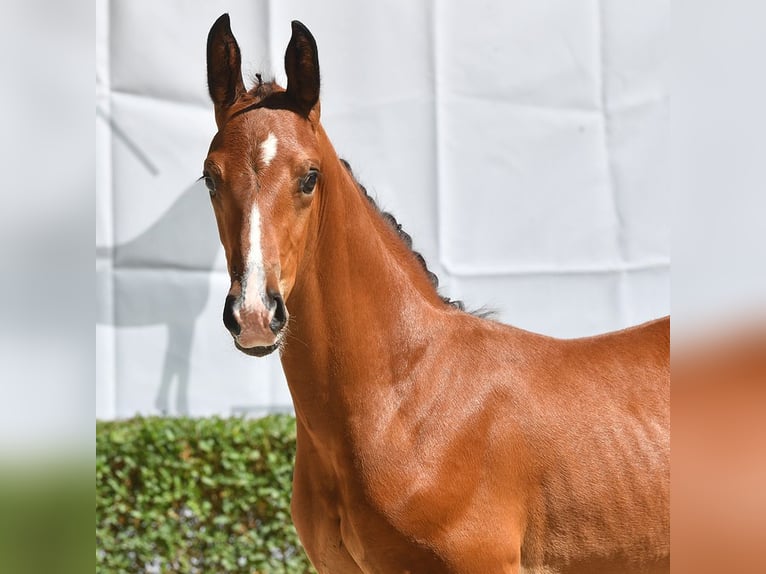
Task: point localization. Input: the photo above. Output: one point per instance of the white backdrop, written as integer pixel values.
(523, 145)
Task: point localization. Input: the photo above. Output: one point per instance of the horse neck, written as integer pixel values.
(361, 309)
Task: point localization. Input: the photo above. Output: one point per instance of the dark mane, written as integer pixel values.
(404, 236)
(262, 94)
(262, 89)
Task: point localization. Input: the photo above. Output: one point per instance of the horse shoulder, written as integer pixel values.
(444, 454)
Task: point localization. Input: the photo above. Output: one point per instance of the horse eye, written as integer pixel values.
(210, 183)
(309, 182)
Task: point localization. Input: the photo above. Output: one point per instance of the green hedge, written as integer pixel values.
(196, 495)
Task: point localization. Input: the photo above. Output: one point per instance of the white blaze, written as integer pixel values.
(256, 275)
(268, 149)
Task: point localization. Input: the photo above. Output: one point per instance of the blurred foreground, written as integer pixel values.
(44, 518)
(719, 450)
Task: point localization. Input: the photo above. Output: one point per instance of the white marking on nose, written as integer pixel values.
(256, 275)
(268, 149)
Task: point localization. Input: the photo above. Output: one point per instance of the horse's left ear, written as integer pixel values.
(302, 67)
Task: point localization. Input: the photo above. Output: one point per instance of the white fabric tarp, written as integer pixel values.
(523, 145)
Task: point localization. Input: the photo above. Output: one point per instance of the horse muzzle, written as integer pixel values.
(257, 327)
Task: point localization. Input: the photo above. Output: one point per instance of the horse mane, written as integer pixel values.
(404, 236)
(262, 89)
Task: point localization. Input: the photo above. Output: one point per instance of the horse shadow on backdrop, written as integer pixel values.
(184, 240)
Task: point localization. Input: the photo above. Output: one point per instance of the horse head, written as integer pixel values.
(264, 174)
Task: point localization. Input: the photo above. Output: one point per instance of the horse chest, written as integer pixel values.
(343, 530)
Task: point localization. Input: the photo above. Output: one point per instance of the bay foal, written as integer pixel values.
(429, 439)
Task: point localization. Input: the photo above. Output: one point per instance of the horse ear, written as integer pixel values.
(302, 67)
(224, 66)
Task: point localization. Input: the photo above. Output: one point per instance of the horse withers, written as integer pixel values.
(429, 439)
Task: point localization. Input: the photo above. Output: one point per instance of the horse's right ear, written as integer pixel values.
(224, 67)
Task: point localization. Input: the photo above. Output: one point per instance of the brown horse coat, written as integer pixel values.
(429, 439)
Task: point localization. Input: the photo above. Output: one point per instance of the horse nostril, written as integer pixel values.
(280, 313)
(228, 316)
